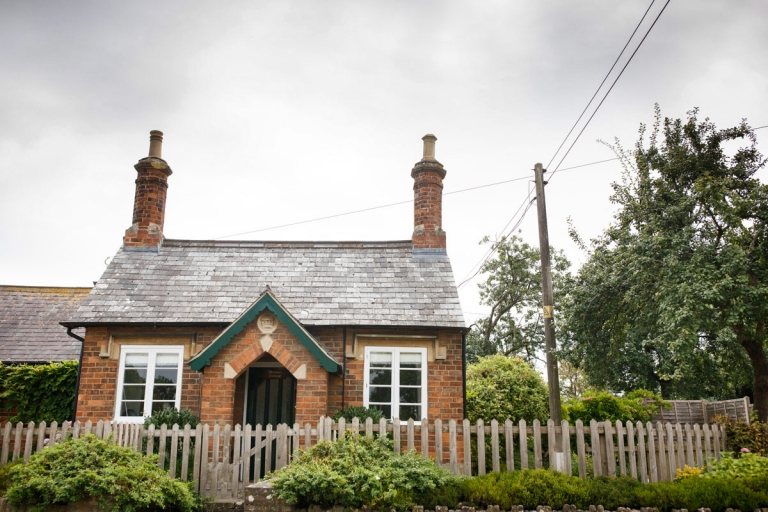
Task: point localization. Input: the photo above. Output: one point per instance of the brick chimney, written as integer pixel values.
(428, 177)
(149, 203)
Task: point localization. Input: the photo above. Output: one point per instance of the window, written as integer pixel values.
(396, 381)
(149, 381)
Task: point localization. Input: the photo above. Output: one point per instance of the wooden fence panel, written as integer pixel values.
(220, 459)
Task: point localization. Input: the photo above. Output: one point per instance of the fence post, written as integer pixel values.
(565, 432)
(453, 448)
(594, 440)
(509, 440)
(439, 442)
(423, 435)
(480, 447)
(653, 468)
(537, 458)
(580, 451)
(523, 445)
(467, 436)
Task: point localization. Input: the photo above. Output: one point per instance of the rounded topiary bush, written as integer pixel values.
(500, 387)
(118, 477)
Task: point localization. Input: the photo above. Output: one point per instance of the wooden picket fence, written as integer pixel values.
(221, 461)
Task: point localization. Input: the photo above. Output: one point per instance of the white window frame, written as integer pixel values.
(152, 350)
(395, 399)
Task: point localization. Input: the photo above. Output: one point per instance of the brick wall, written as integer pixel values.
(216, 398)
(218, 394)
(98, 381)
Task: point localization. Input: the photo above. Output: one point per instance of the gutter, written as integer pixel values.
(79, 369)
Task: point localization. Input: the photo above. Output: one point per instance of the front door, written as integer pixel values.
(271, 400)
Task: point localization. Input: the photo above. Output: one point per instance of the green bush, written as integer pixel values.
(753, 436)
(748, 465)
(118, 477)
(169, 418)
(529, 487)
(39, 392)
(357, 471)
(5, 475)
(532, 488)
(358, 411)
(499, 387)
(602, 406)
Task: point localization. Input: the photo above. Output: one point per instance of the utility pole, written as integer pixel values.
(548, 301)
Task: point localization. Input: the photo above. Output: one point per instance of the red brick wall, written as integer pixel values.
(218, 394)
(444, 379)
(217, 399)
(98, 381)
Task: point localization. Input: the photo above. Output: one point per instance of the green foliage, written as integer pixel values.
(529, 488)
(5, 475)
(357, 471)
(532, 488)
(672, 296)
(747, 465)
(499, 388)
(39, 392)
(753, 437)
(120, 478)
(358, 411)
(169, 418)
(602, 406)
(512, 290)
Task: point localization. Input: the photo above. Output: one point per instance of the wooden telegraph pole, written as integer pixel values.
(546, 282)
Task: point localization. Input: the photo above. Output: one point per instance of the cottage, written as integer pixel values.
(29, 327)
(272, 332)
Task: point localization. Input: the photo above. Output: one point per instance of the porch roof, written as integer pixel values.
(266, 301)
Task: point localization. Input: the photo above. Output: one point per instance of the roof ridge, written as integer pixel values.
(11, 287)
(360, 244)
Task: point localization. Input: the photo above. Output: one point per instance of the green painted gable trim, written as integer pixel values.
(266, 301)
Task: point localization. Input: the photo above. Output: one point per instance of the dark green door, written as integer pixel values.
(271, 400)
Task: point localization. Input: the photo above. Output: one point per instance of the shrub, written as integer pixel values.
(746, 466)
(169, 418)
(358, 411)
(357, 471)
(532, 488)
(528, 487)
(753, 437)
(5, 475)
(499, 387)
(39, 392)
(118, 477)
(636, 406)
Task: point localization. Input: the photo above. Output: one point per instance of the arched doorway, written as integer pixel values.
(270, 394)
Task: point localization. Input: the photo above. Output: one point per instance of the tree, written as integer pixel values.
(674, 294)
(499, 387)
(512, 289)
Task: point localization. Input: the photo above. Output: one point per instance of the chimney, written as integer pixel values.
(428, 177)
(149, 202)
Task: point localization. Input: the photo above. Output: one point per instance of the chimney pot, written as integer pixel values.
(429, 147)
(156, 144)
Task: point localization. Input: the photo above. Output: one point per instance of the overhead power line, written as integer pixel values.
(601, 85)
(610, 89)
(317, 219)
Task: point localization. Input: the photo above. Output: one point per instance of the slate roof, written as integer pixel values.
(29, 323)
(320, 283)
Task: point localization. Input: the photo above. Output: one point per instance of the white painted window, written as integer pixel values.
(396, 381)
(149, 381)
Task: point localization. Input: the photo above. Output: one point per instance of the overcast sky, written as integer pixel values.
(277, 112)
